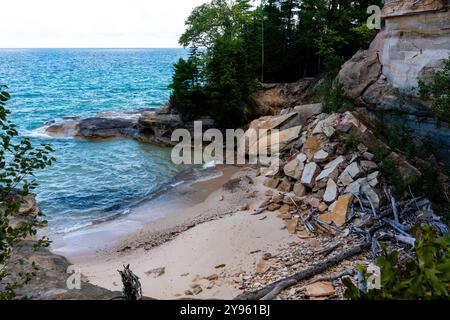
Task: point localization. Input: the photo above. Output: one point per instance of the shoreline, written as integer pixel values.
(158, 208)
(209, 244)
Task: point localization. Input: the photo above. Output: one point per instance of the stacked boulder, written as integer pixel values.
(319, 171)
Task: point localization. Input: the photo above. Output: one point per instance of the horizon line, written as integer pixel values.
(113, 48)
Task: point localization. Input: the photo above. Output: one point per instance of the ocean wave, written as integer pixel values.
(212, 164)
(178, 183)
(37, 133)
(74, 228)
(42, 132)
(209, 177)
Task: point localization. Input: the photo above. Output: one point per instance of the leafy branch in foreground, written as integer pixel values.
(424, 276)
(18, 162)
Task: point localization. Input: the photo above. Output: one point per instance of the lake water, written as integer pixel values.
(91, 181)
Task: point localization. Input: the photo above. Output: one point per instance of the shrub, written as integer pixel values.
(425, 276)
(400, 138)
(438, 90)
(332, 96)
(352, 141)
(18, 162)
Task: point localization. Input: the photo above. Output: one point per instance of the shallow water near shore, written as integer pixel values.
(159, 209)
(92, 181)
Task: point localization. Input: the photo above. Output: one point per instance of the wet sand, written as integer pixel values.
(164, 213)
(189, 242)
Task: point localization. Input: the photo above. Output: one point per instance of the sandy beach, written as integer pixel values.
(202, 248)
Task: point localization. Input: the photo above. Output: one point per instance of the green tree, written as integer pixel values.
(18, 162)
(220, 79)
(187, 86)
(276, 41)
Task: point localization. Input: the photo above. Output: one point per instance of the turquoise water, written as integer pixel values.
(91, 181)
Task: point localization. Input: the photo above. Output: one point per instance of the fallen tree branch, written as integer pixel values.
(305, 274)
(403, 239)
(309, 228)
(386, 213)
(374, 212)
(333, 277)
(397, 226)
(395, 209)
(326, 251)
(360, 203)
(278, 289)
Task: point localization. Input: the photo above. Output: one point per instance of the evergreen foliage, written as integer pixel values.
(235, 46)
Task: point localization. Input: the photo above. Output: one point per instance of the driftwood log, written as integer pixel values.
(273, 289)
(132, 289)
(333, 277)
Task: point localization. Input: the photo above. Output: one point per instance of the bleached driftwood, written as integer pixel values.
(403, 239)
(132, 289)
(303, 275)
(333, 277)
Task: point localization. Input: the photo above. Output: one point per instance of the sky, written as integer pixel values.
(94, 23)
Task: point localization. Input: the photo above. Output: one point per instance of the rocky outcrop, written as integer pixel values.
(103, 126)
(151, 126)
(28, 209)
(395, 8)
(275, 97)
(414, 41)
(51, 277)
(159, 125)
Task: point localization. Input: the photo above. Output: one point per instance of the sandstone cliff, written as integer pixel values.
(414, 41)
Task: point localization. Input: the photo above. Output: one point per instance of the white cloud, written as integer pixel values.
(94, 23)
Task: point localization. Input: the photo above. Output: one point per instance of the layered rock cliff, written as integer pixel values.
(414, 42)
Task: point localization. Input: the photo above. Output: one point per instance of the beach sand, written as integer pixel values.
(207, 244)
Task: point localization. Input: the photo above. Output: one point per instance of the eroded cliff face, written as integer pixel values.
(414, 42)
(416, 39)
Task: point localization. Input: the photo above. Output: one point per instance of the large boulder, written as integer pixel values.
(50, 282)
(28, 209)
(414, 42)
(106, 128)
(29, 205)
(279, 141)
(307, 111)
(104, 125)
(360, 72)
